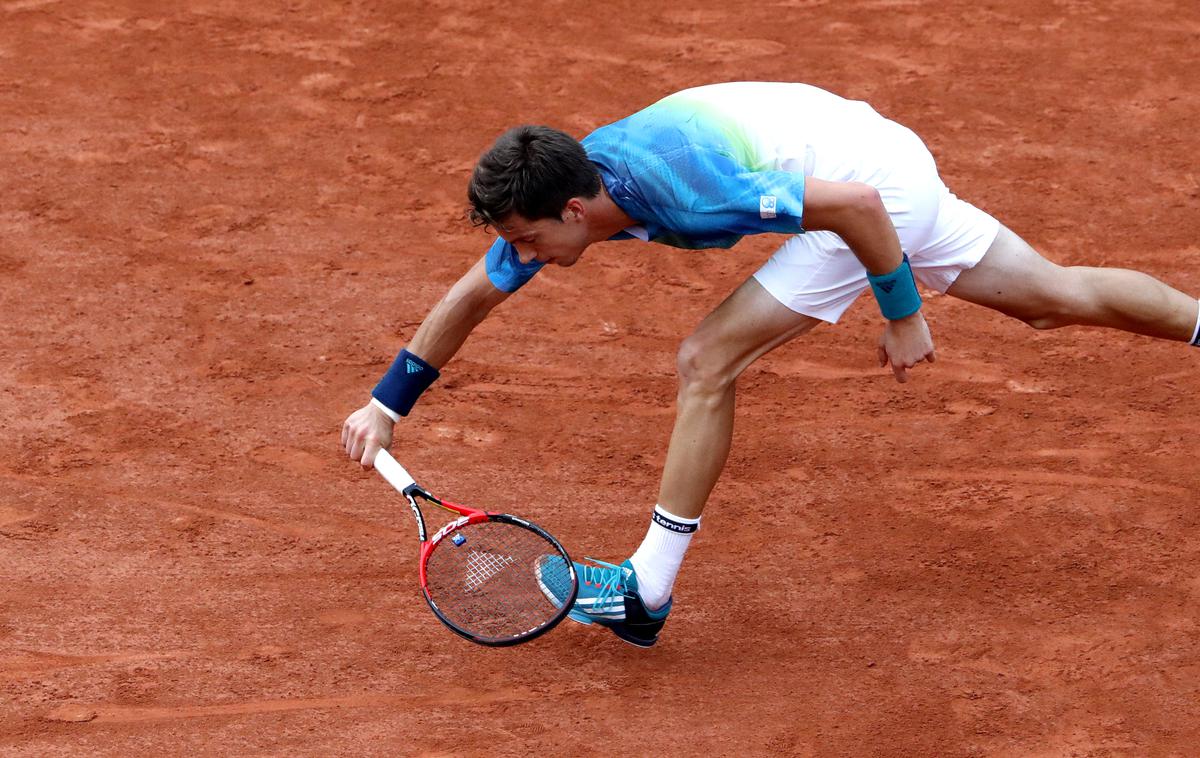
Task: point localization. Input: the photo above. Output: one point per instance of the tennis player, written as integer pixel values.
(861, 205)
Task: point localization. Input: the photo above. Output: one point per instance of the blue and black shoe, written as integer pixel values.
(608, 596)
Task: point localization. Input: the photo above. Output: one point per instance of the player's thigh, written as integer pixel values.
(1015, 279)
(811, 278)
(814, 274)
(746, 325)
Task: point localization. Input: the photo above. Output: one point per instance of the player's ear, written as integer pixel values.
(573, 210)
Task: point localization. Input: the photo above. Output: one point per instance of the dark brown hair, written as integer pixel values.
(532, 171)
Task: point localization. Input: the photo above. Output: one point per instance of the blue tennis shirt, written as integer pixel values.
(691, 170)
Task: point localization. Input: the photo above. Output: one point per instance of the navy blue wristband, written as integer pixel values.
(896, 292)
(404, 382)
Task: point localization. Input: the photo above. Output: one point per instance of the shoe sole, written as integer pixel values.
(586, 620)
(581, 618)
(636, 641)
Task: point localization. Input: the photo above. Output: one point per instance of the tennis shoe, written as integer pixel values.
(608, 596)
(554, 579)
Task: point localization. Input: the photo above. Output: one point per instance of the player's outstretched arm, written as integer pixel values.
(855, 212)
(439, 337)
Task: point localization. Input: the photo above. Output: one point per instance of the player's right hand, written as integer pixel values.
(364, 432)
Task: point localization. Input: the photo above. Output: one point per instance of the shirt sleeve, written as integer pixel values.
(504, 267)
(705, 189)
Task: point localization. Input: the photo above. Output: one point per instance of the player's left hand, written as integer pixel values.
(905, 343)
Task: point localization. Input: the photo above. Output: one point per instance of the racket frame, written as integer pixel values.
(395, 474)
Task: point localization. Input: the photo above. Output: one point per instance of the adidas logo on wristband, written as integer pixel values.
(412, 366)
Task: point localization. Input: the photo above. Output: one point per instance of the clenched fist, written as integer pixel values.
(366, 431)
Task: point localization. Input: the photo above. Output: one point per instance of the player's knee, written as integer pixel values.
(700, 367)
(1065, 301)
(1046, 322)
(1049, 314)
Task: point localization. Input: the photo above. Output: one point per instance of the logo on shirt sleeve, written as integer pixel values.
(766, 206)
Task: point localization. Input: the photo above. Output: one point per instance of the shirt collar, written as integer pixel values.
(638, 231)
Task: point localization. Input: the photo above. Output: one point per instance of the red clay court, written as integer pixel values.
(221, 220)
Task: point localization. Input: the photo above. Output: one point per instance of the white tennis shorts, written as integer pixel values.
(817, 274)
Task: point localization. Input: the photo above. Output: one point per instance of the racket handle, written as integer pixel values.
(395, 474)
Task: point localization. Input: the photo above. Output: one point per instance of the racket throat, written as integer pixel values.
(416, 510)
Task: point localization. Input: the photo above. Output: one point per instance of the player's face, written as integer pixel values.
(547, 240)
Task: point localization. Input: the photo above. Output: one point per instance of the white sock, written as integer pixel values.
(1196, 334)
(658, 558)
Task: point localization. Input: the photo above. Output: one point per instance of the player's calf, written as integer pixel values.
(1117, 299)
(1016, 280)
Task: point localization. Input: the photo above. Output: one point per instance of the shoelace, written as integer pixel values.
(608, 578)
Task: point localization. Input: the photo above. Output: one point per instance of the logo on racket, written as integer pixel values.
(448, 528)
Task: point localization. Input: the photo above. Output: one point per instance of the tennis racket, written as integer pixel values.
(493, 578)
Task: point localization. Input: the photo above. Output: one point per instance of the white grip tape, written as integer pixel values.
(395, 474)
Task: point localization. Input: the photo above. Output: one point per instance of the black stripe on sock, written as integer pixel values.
(672, 524)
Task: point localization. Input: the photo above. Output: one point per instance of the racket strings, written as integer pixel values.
(498, 580)
(483, 566)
